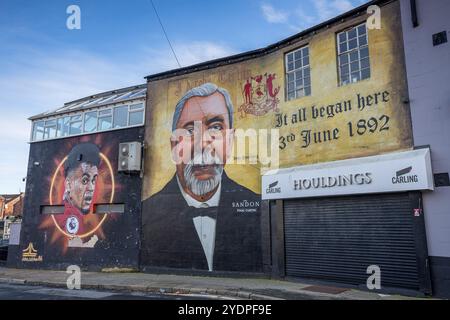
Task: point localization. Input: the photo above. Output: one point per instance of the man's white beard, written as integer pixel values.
(201, 187)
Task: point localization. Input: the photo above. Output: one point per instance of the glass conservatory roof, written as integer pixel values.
(97, 100)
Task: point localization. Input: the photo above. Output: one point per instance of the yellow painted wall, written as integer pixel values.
(387, 74)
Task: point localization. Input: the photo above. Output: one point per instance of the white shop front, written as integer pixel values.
(341, 217)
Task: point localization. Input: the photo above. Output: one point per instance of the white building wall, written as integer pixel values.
(428, 72)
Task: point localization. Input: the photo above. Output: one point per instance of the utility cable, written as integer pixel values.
(165, 33)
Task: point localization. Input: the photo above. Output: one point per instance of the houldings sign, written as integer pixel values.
(403, 171)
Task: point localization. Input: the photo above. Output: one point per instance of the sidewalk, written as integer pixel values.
(240, 288)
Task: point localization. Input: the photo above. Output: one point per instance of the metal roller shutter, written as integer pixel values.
(337, 238)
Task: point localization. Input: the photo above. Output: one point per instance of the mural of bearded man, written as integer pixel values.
(193, 222)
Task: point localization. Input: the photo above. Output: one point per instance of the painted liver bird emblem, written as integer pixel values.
(260, 95)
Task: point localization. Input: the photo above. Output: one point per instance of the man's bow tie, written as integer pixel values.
(204, 212)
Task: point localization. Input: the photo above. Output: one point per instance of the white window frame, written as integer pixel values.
(74, 121)
(84, 121)
(68, 131)
(33, 128)
(111, 114)
(128, 115)
(129, 104)
(140, 109)
(293, 72)
(348, 52)
(46, 126)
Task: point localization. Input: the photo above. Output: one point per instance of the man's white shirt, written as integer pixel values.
(205, 226)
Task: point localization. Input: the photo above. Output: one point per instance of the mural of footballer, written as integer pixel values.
(192, 223)
(81, 172)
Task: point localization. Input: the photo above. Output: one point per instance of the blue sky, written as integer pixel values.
(43, 64)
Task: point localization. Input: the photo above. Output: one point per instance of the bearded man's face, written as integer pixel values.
(200, 160)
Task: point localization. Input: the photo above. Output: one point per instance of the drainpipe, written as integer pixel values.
(414, 18)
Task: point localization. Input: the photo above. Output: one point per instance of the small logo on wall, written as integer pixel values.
(260, 95)
(272, 188)
(401, 176)
(245, 206)
(72, 225)
(30, 254)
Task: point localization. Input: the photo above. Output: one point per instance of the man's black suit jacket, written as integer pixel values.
(170, 240)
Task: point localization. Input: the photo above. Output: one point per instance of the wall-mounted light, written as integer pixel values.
(36, 163)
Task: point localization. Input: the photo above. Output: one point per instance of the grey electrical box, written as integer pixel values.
(130, 156)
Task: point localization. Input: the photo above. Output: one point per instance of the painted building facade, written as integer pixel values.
(81, 209)
(334, 93)
(348, 190)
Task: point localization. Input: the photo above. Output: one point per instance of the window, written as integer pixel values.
(90, 121)
(63, 125)
(75, 124)
(50, 129)
(104, 119)
(38, 130)
(120, 117)
(136, 114)
(353, 55)
(298, 77)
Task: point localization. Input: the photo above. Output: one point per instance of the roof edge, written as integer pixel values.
(107, 93)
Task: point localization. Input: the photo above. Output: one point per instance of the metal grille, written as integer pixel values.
(336, 239)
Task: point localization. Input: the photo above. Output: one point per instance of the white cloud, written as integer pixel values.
(326, 9)
(188, 54)
(319, 11)
(342, 5)
(303, 20)
(197, 52)
(36, 81)
(322, 11)
(272, 15)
